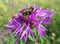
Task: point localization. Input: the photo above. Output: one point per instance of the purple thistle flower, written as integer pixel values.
(12, 4)
(27, 19)
(2, 36)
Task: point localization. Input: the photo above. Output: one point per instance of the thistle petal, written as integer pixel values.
(41, 30)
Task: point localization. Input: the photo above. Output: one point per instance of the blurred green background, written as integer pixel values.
(10, 7)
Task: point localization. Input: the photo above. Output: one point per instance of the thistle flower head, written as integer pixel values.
(12, 4)
(27, 19)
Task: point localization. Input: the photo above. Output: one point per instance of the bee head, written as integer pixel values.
(27, 12)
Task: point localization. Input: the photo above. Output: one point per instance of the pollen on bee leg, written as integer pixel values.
(26, 17)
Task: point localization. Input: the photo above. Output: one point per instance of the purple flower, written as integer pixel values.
(2, 36)
(12, 4)
(27, 19)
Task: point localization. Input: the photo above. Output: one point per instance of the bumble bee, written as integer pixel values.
(27, 12)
